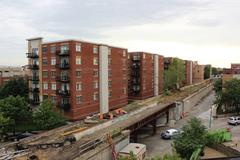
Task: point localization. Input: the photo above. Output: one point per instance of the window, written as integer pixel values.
(95, 96)
(64, 48)
(109, 84)
(109, 72)
(53, 74)
(53, 61)
(110, 94)
(54, 87)
(44, 49)
(95, 49)
(78, 74)
(95, 84)
(95, 73)
(78, 99)
(124, 53)
(45, 97)
(45, 86)
(53, 49)
(45, 74)
(78, 86)
(78, 47)
(124, 91)
(54, 100)
(109, 51)
(95, 61)
(143, 56)
(35, 51)
(109, 61)
(45, 62)
(78, 60)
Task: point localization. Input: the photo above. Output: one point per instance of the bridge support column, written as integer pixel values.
(154, 125)
(134, 137)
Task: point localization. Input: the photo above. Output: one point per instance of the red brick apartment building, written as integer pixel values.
(198, 73)
(80, 77)
(230, 73)
(146, 75)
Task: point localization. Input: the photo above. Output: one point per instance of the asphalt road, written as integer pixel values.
(158, 147)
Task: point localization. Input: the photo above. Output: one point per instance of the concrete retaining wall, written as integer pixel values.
(195, 98)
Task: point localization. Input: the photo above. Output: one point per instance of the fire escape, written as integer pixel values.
(34, 77)
(136, 82)
(64, 78)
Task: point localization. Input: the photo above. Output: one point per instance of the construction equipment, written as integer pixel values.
(112, 145)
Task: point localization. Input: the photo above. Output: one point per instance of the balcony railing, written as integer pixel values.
(33, 66)
(65, 93)
(63, 52)
(33, 78)
(34, 90)
(66, 106)
(65, 79)
(63, 65)
(34, 102)
(32, 55)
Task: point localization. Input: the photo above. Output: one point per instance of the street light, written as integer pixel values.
(210, 118)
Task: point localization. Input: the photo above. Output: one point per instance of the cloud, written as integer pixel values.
(187, 25)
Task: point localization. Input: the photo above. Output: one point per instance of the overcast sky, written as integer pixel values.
(204, 30)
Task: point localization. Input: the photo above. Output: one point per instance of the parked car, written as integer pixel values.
(234, 120)
(168, 134)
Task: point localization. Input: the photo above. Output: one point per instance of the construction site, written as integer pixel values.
(95, 138)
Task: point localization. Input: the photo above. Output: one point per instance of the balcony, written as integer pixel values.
(64, 93)
(34, 90)
(64, 79)
(33, 78)
(66, 106)
(33, 66)
(34, 101)
(63, 53)
(63, 66)
(32, 55)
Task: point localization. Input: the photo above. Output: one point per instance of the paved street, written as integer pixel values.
(157, 146)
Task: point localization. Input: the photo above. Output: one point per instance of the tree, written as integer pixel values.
(218, 85)
(130, 157)
(193, 137)
(3, 122)
(46, 118)
(215, 71)
(207, 71)
(16, 109)
(175, 74)
(14, 87)
(230, 96)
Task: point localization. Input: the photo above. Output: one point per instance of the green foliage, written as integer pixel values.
(218, 86)
(14, 87)
(230, 96)
(215, 71)
(16, 109)
(4, 121)
(130, 157)
(207, 71)
(168, 157)
(175, 74)
(193, 136)
(46, 118)
(217, 137)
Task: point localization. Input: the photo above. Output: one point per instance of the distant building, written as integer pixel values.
(7, 73)
(230, 73)
(198, 73)
(188, 72)
(146, 75)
